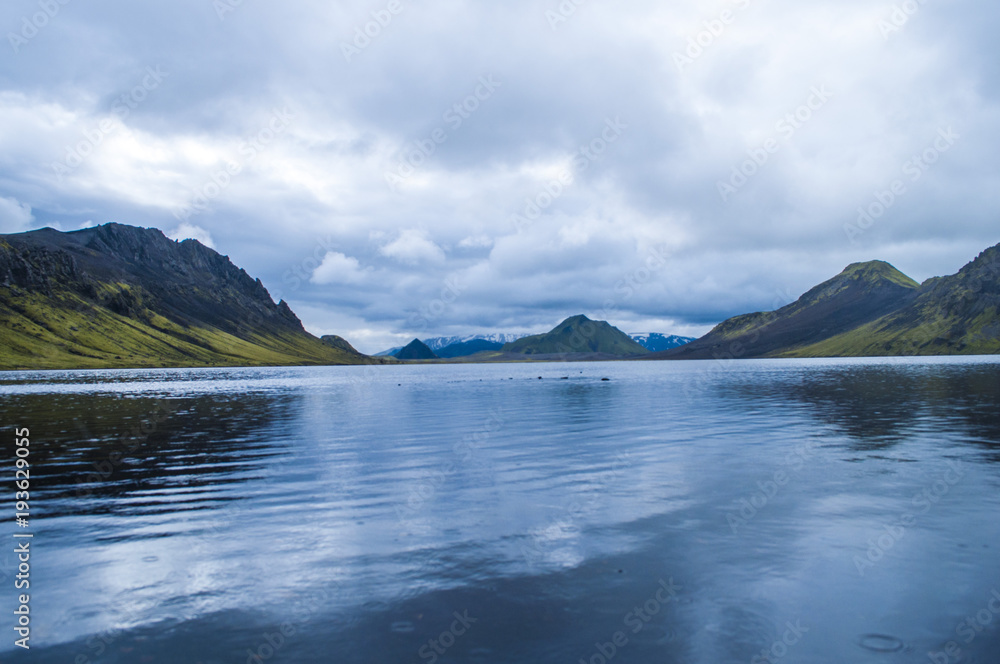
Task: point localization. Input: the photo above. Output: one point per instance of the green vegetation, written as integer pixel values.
(120, 296)
(578, 334)
(338, 342)
(873, 271)
(66, 331)
(739, 326)
(870, 309)
(954, 315)
(117, 296)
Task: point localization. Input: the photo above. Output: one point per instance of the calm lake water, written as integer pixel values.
(695, 512)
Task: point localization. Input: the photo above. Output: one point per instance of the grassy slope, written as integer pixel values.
(578, 335)
(926, 329)
(931, 338)
(861, 293)
(66, 331)
(872, 272)
(953, 315)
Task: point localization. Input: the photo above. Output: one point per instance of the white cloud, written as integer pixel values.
(14, 216)
(476, 242)
(337, 268)
(190, 231)
(320, 184)
(413, 247)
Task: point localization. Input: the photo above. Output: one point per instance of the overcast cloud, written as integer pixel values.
(468, 167)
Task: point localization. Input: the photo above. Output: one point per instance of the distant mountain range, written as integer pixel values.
(654, 341)
(451, 347)
(576, 338)
(121, 296)
(439, 343)
(467, 348)
(869, 309)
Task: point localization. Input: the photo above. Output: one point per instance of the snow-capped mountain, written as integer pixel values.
(437, 343)
(654, 341)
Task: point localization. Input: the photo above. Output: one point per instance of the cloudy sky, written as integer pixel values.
(398, 168)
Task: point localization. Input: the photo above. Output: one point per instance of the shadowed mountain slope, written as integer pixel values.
(122, 296)
(953, 315)
(860, 294)
(416, 350)
(870, 309)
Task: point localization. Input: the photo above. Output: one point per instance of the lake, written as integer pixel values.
(697, 512)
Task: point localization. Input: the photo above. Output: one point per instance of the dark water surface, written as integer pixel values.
(696, 512)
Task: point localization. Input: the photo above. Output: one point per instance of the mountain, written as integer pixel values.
(953, 315)
(122, 296)
(578, 334)
(338, 342)
(439, 343)
(869, 309)
(860, 294)
(466, 348)
(654, 341)
(449, 347)
(416, 350)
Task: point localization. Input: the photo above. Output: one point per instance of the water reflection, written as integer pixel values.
(103, 452)
(300, 515)
(881, 405)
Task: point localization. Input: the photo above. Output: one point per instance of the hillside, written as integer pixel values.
(440, 343)
(869, 309)
(957, 314)
(655, 341)
(466, 348)
(338, 342)
(122, 296)
(578, 334)
(860, 294)
(416, 350)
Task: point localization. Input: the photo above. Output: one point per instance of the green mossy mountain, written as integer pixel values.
(953, 315)
(578, 334)
(415, 350)
(870, 309)
(121, 296)
(338, 342)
